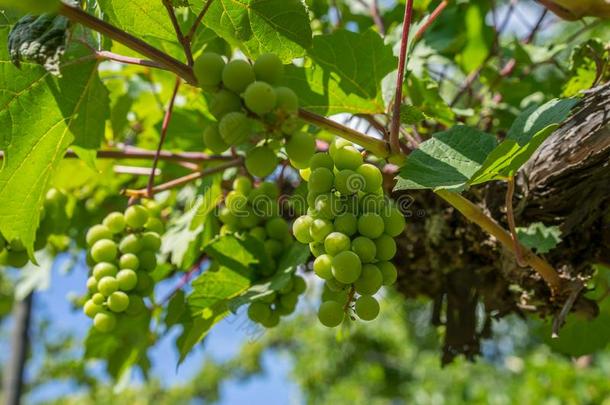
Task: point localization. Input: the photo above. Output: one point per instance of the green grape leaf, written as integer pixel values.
(588, 60)
(539, 237)
(411, 115)
(346, 73)
(175, 309)
(262, 26)
(447, 160)
(425, 96)
(524, 137)
(42, 116)
(31, 6)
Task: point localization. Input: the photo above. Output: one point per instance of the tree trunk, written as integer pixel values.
(13, 378)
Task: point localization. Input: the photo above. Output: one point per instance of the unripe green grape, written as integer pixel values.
(155, 225)
(348, 157)
(96, 233)
(260, 98)
(261, 161)
(299, 165)
(115, 222)
(337, 144)
(128, 279)
(17, 259)
(386, 247)
(364, 248)
(243, 185)
(237, 203)
(136, 216)
(118, 301)
(273, 247)
(91, 309)
(104, 322)
(208, 69)
(55, 198)
(151, 241)
(237, 75)
(321, 180)
(224, 102)
(287, 100)
(249, 220)
(289, 300)
(369, 281)
(346, 223)
(258, 233)
(326, 206)
(372, 203)
(107, 285)
(335, 285)
(153, 207)
(104, 269)
(131, 243)
(348, 182)
(212, 139)
(234, 128)
(372, 177)
(287, 287)
(336, 242)
(129, 261)
(370, 225)
(320, 228)
(282, 310)
(272, 321)
(136, 305)
(339, 296)
(301, 147)
(321, 159)
(148, 260)
(346, 267)
(98, 299)
(388, 272)
(268, 299)
(317, 249)
(331, 314)
(259, 312)
(16, 245)
(104, 250)
(277, 228)
(394, 221)
(145, 283)
(300, 229)
(266, 188)
(226, 217)
(269, 68)
(92, 285)
(299, 285)
(367, 308)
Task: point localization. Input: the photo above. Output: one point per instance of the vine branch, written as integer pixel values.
(186, 43)
(193, 30)
(510, 217)
(431, 18)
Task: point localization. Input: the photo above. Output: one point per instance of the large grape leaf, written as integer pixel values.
(346, 73)
(33, 6)
(41, 115)
(447, 160)
(261, 26)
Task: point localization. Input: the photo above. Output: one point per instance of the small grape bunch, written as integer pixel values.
(122, 251)
(268, 310)
(350, 228)
(253, 110)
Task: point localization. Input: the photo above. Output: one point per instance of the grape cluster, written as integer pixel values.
(54, 221)
(268, 310)
(253, 111)
(122, 251)
(350, 228)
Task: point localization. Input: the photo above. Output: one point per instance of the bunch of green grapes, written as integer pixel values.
(268, 310)
(122, 252)
(252, 110)
(350, 228)
(54, 221)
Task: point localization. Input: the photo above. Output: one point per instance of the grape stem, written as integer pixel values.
(198, 20)
(476, 215)
(350, 298)
(431, 18)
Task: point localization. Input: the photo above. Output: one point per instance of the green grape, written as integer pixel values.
(364, 248)
(237, 203)
(273, 247)
(234, 128)
(136, 305)
(17, 259)
(155, 225)
(226, 217)
(287, 287)
(331, 314)
(96, 233)
(289, 300)
(348, 182)
(394, 221)
(346, 223)
(388, 272)
(17, 246)
(291, 124)
(386, 247)
(128, 279)
(268, 299)
(337, 144)
(145, 283)
(317, 248)
(107, 285)
(259, 312)
(129, 261)
(223, 103)
(272, 321)
(320, 228)
(321, 180)
(372, 203)
(153, 207)
(249, 219)
(347, 157)
(300, 229)
(237, 75)
(299, 165)
(326, 206)
(212, 139)
(104, 322)
(115, 222)
(267, 189)
(321, 160)
(259, 233)
(370, 225)
(269, 68)
(131, 243)
(136, 216)
(91, 309)
(335, 285)
(299, 285)
(55, 198)
(322, 266)
(92, 285)
(277, 228)
(367, 308)
(261, 161)
(242, 185)
(151, 241)
(118, 301)
(104, 269)
(148, 260)
(260, 98)
(301, 147)
(372, 177)
(336, 242)
(208, 70)
(98, 299)
(287, 100)
(346, 267)
(104, 250)
(339, 296)
(370, 280)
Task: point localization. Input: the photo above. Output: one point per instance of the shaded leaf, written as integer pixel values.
(539, 237)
